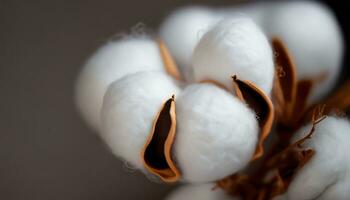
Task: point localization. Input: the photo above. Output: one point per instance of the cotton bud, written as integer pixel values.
(312, 34)
(216, 133)
(111, 62)
(130, 106)
(327, 174)
(234, 46)
(199, 192)
(182, 30)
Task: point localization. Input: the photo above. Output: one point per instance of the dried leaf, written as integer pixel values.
(169, 63)
(261, 104)
(157, 150)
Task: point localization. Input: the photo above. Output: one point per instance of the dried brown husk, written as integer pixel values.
(286, 80)
(157, 151)
(262, 106)
(169, 63)
(156, 154)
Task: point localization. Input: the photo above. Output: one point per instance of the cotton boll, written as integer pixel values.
(130, 106)
(199, 192)
(327, 174)
(182, 30)
(311, 32)
(111, 62)
(216, 133)
(257, 11)
(234, 47)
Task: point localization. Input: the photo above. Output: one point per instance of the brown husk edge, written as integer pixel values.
(156, 154)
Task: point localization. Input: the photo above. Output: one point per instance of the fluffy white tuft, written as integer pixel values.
(182, 30)
(111, 62)
(216, 133)
(234, 46)
(199, 192)
(314, 38)
(327, 175)
(129, 109)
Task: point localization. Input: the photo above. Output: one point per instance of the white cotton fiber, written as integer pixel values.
(313, 36)
(111, 62)
(199, 192)
(130, 107)
(182, 30)
(327, 174)
(234, 46)
(216, 133)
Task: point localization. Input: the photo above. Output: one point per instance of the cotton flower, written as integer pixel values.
(234, 46)
(216, 135)
(129, 109)
(109, 63)
(327, 175)
(199, 192)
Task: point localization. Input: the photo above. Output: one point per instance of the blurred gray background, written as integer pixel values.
(46, 151)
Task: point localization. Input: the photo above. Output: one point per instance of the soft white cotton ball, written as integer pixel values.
(199, 192)
(182, 30)
(111, 62)
(327, 174)
(311, 32)
(216, 133)
(130, 106)
(234, 46)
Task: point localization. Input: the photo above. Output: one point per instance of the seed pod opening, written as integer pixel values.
(261, 104)
(156, 154)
